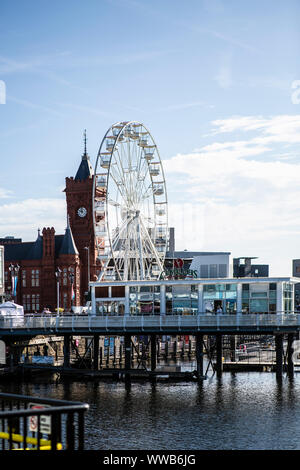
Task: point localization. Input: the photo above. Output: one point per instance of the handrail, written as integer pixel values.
(60, 432)
(123, 322)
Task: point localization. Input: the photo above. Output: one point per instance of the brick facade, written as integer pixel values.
(38, 261)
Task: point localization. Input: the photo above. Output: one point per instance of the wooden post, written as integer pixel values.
(219, 363)
(66, 350)
(175, 348)
(120, 354)
(233, 348)
(279, 355)
(128, 349)
(101, 356)
(96, 352)
(158, 349)
(290, 351)
(153, 352)
(199, 355)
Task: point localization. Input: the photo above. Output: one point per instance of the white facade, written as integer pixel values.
(216, 265)
(1, 272)
(193, 296)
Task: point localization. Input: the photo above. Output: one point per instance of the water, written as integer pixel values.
(239, 411)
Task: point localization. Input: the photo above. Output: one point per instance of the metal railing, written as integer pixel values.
(31, 423)
(143, 322)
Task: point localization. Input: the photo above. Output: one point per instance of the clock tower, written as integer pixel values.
(79, 198)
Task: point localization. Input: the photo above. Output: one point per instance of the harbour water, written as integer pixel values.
(239, 411)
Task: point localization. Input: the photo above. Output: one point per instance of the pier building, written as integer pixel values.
(194, 296)
(1, 274)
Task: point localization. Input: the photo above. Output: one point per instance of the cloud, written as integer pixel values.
(245, 196)
(5, 193)
(25, 217)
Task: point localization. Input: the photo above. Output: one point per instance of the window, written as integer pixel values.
(222, 270)
(35, 278)
(65, 300)
(35, 302)
(212, 270)
(23, 277)
(65, 277)
(209, 291)
(259, 305)
(245, 291)
(204, 271)
(26, 303)
(1, 266)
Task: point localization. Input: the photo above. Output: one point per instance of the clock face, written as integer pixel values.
(82, 212)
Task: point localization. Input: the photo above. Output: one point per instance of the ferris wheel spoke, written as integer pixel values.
(121, 188)
(131, 209)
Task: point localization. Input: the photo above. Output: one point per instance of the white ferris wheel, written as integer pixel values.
(130, 208)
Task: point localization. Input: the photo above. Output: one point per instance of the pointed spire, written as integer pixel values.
(68, 246)
(85, 155)
(85, 169)
(36, 251)
(84, 135)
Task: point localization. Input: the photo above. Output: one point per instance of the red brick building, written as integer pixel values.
(73, 253)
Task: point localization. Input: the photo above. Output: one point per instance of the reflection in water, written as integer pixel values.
(238, 411)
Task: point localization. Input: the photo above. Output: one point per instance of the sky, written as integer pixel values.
(216, 82)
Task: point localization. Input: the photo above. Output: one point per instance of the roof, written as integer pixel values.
(68, 246)
(36, 251)
(224, 280)
(191, 254)
(30, 250)
(85, 169)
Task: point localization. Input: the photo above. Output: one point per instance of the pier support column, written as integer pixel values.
(219, 363)
(127, 344)
(153, 352)
(96, 352)
(66, 350)
(290, 351)
(279, 355)
(199, 355)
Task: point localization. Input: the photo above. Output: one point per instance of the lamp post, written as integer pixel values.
(57, 275)
(71, 277)
(14, 270)
(89, 274)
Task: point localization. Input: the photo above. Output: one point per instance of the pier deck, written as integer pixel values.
(158, 324)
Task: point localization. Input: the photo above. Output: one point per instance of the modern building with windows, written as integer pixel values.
(296, 273)
(1, 274)
(193, 296)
